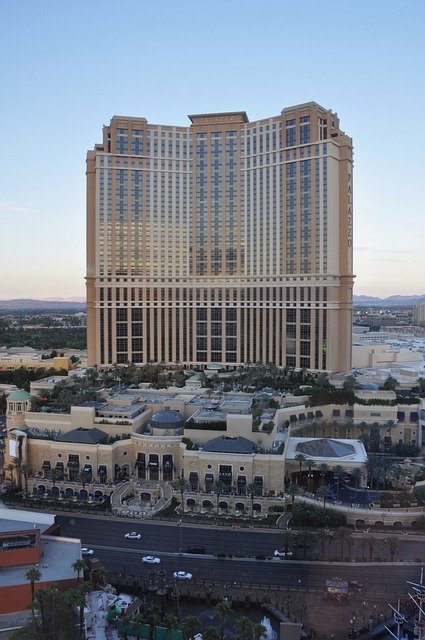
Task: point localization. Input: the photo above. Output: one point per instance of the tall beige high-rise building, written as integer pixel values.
(225, 241)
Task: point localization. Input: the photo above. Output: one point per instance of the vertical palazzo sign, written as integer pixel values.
(350, 210)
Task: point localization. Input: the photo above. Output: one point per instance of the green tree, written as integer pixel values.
(182, 486)
(391, 384)
(223, 609)
(325, 493)
(304, 538)
(301, 459)
(324, 537)
(356, 474)
(33, 575)
(79, 567)
(190, 625)
(339, 473)
(26, 472)
(292, 490)
(323, 469)
(243, 628)
(11, 466)
(341, 535)
(370, 543)
(393, 544)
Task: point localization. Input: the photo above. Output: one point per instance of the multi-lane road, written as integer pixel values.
(165, 540)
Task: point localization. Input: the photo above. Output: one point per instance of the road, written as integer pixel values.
(165, 540)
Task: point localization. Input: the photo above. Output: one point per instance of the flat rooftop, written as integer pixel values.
(58, 556)
(14, 520)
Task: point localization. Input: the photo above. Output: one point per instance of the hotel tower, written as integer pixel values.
(224, 241)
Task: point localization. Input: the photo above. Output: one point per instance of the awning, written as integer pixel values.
(301, 416)
(45, 465)
(59, 465)
(209, 477)
(319, 414)
(310, 415)
(102, 470)
(87, 468)
(241, 481)
(117, 467)
(193, 476)
(140, 463)
(73, 464)
(293, 418)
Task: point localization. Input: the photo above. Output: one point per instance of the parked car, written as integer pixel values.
(151, 559)
(182, 575)
(86, 552)
(195, 550)
(132, 535)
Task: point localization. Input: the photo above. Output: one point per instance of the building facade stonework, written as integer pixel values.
(226, 241)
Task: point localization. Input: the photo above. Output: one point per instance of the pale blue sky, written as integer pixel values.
(67, 66)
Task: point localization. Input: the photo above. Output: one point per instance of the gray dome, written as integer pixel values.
(166, 419)
(325, 448)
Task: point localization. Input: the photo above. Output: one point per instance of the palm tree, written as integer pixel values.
(300, 458)
(356, 474)
(310, 464)
(397, 474)
(182, 486)
(370, 543)
(190, 625)
(11, 468)
(223, 609)
(258, 630)
(341, 534)
(153, 618)
(323, 537)
(82, 590)
(288, 539)
(292, 490)
(339, 473)
(304, 537)
(26, 472)
(243, 628)
(79, 566)
(33, 575)
(170, 622)
(325, 492)
(393, 544)
(323, 469)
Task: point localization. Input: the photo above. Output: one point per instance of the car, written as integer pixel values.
(282, 554)
(235, 527)
(151, 560)
(132, 535)
(182, 575)
(195, 550)
(86, 552)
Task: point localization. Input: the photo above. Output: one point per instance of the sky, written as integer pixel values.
(66, 67)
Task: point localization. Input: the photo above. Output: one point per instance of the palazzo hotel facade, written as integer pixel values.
(226, 241)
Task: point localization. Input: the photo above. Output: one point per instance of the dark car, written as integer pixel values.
(195, 550)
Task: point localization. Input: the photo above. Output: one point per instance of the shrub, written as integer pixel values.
(260, 556)
(309, 516)
(419, 523)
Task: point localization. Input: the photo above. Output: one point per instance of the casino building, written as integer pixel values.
(226, 241)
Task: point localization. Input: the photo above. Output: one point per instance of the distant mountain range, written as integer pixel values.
(79, 304)
(388, 302)
(48, 304)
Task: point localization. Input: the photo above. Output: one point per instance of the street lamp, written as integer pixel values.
(180, 535)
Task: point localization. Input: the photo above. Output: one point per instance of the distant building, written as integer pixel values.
(17, 357)
(419, 314)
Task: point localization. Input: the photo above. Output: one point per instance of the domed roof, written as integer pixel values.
(167, 419)
(325, 448)
(19, 396)
(370, 386)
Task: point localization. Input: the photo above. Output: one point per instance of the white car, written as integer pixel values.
(86, 552)
(151, 559)
(282, 554)
(132, 535)
(182, 575)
